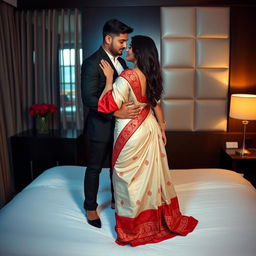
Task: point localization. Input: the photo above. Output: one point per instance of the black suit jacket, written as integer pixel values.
(98, 126)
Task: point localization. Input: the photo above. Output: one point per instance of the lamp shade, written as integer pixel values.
(243, 106)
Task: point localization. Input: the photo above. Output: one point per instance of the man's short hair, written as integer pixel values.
(116, 27)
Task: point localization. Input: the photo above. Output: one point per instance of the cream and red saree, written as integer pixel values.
(147, 208)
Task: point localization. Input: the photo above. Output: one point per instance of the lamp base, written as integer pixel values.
(242, 152)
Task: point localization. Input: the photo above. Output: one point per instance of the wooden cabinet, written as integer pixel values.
(32, 153)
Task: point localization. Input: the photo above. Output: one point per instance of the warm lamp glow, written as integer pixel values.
(243, 106)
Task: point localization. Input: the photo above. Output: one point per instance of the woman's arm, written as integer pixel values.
(160, 118)
(123, 109)
(108, 72)
(114, 97)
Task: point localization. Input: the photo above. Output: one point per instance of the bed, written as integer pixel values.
(47, 218)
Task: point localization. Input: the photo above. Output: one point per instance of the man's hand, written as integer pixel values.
(128, 112)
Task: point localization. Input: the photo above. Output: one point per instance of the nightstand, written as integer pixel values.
(32, 153)
(242, 164)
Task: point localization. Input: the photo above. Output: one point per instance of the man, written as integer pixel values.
(100, 127)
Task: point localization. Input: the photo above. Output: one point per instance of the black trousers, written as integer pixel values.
(99, 153)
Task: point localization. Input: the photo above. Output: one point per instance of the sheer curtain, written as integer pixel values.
(10, 95)
(70, 61)
(40, 63)
(57, 59)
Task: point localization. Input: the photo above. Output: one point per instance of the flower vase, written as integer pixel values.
(43, 124)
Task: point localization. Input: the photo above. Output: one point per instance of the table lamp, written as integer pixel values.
(243, 107)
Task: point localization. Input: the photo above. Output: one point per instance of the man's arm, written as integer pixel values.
(127, 112)
(89, 87)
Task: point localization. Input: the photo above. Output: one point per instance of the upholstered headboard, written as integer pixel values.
(195, 63)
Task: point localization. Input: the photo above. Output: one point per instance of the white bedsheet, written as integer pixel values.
(47, 218)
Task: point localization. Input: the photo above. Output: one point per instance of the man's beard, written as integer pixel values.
(115, 52)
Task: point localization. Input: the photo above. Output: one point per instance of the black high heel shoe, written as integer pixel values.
(96, 223)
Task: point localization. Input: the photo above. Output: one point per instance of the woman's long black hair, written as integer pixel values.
(146, 55)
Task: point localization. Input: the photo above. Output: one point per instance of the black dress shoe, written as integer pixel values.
(96, 223)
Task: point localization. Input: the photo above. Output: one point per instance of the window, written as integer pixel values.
(68, 82)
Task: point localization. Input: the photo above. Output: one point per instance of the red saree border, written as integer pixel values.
(133, 79)
(127, 132)
(154, 225)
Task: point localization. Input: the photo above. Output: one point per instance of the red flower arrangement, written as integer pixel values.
(42, 110)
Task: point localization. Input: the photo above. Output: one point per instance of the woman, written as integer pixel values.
(147, 209)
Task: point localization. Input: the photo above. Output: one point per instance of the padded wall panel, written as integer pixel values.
(212, 53)
(178, 22)
(182, 83)
(212, 83)
(211, 115)
(212, 22)
(195, 62)
(178, 53)
(179, 114)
